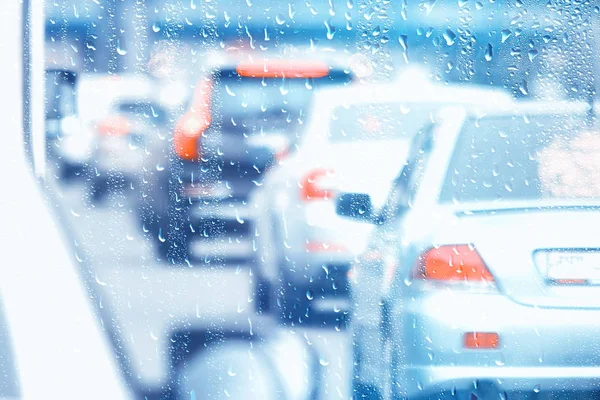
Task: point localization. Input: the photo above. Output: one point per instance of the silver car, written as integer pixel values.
(482, 275)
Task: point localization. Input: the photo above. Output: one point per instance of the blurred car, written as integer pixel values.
(242, 117)
(68, 140)
(467, 280)
(357, 138)
(134, 129)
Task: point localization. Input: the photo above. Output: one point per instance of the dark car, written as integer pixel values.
(241, 119)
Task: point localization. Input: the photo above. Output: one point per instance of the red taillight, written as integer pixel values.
(114, 125)
(283, 69)
(187, 132)
(193, 123)
(452, 263)
(309, 189)
(322, 247)
(481, 340)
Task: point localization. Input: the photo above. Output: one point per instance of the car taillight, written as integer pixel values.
(187, 132)
(114, 125)
(452, 263)
(292, 69)
(309, 188)
(194, 122)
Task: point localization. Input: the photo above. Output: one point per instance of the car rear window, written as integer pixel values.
(524, 158)
(377, 121)
(254, 104)
(146, 110)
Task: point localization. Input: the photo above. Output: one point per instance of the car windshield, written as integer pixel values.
(265, 104)
(524, 158)
(377, 121)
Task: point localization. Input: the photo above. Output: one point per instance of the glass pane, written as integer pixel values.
(301, 200)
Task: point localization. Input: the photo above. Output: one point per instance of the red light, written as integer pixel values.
(193, 123)
(281, 155)
(452, 263)
(283, 69)
(115, 125)
(570, 281)
(314, 247)
(481, 340)
(310, 190)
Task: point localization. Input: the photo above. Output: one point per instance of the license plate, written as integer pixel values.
(569, 266)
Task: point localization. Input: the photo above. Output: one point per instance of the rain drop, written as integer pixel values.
(532, 54)
(489, 52)
(280, 19)
(523, 87)
(429, 4)
(449, 37)
(120, 49)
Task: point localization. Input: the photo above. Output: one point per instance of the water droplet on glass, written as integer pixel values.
(403, 40)
(505, 33)
(120, 49)
(323, 362)
(310, 294)
(532, 54)
(280, 19)
(449, 37)
(238, 218)
(536, 389)
(489, 52)
(429, 4)
(330, 30)
(523, 87)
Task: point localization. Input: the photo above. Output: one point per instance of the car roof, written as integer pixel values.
(410, 88)
(529, 107)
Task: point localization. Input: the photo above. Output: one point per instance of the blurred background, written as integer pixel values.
(126, 83)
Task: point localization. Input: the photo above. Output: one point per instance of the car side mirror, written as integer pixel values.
(355, 205)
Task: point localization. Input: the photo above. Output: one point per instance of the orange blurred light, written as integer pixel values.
(313, 247)
(453, 263)
(481, 340)
(310, 190)
(193, 123)
(283, 69)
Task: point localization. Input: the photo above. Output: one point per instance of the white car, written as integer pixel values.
(467, 277)
(358, 137)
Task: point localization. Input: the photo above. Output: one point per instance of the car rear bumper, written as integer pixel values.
(549, 348)
(503, 379)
